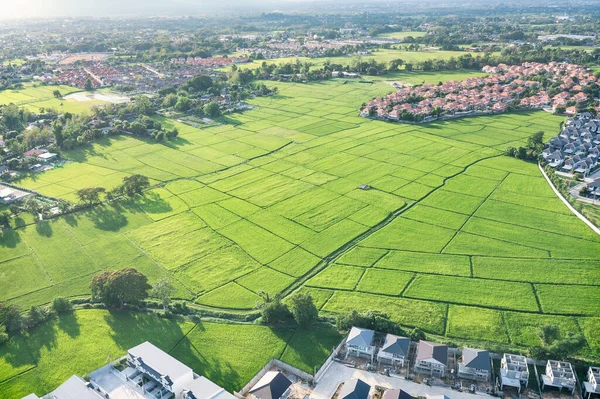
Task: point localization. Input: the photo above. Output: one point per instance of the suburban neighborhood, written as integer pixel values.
(515, 87)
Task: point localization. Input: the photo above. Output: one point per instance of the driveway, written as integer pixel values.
(338, 373)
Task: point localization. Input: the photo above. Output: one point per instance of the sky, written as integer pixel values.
(12, 9)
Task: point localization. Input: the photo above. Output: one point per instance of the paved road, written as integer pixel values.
(338, 373)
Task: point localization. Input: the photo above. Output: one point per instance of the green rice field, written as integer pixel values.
(36, 98)
(452, 237)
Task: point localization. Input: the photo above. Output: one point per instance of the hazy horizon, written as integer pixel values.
(113, 8)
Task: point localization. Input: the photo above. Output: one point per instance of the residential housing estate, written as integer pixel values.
(576, 149)
(507, 87)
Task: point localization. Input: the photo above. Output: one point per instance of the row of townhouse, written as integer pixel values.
(473, 364)
(489, 94)
(577, 147)
(431, 358)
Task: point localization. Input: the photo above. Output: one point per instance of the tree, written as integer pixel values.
(10, 317)
(88, 86)
(132, 185)
(163, 290)
(118, 287)
(57, 94)
(303, 309)
(90, 195)
(37, 315)
(212, 109)
(183, 104)
(272, 309)
(62, 305)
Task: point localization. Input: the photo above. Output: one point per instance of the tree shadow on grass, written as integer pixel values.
(221, 372)
(44, 337)
(44, 228)
(153, 203)
(71, 220)
(130, 329)
(107, 218)
(10, 238)
(309, 347)
(68, 323)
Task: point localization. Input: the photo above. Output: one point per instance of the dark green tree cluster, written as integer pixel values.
(301, 309)
(532, 149)
(14, 320)
(120, 287)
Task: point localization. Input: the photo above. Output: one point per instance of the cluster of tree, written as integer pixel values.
(554, 345)
(131, 186)
(119, 287)
(301, 309)
(377, 321)
(532, 149)
(14, 320)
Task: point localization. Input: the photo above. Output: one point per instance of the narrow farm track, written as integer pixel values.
(355, 241)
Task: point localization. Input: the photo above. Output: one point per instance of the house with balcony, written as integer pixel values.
(514, 371)
(360, 343)
(432, 359)
(559, 375)
(475, 364)
(394, 350)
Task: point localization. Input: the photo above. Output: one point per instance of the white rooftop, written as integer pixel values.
(47, 155)
(75, 388)
(203, 388)
(160, 361)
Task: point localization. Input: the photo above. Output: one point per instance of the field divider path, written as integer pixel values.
(537, 298)
(336, 254)
(471, 216)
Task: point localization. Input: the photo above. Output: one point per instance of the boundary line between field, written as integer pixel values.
(575, 211)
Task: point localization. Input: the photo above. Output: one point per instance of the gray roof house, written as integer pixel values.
(431, 358)
(555, 159)
(592, 385)
(559, 375)
(394, 350)
(514, 371)
(396, 394)
(594, 187)
(273, 385)
(355, 389)
(475, 364)
(360, 342)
